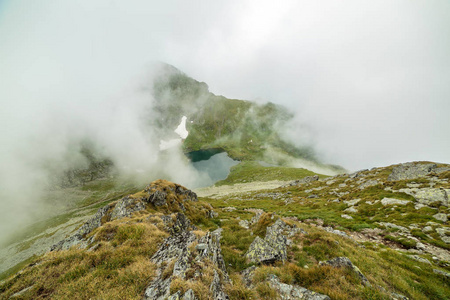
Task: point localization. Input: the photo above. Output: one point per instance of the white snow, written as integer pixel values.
(181, 129)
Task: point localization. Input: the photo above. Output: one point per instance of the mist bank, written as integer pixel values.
(64, 140)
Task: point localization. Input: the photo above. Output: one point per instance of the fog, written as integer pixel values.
(368, 81)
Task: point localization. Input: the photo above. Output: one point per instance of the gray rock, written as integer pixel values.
(352, 202)
(247, 275)
(368, 183)
(441, 217)
(351, 210)
(344, 262)
(441, 170)
(244, 224)
(307, 179)
(337, 232)
(427, 229)
(200, 247)
(392, 201)
(446, 274)
(428, 196)
(395, 226)
(420, 259)
(189, 295)
(444, 234)
(287, 291)
(411, 171)
(347, 217)
(273, 246)
(159, 289)
(213, 251)
(357, 174)
(216, 288)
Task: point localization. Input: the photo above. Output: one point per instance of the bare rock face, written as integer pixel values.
(411, 171)
(175, 258)
(273, 246)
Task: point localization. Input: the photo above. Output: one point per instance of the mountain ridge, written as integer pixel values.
(311, 238)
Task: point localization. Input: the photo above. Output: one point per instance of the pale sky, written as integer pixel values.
(369, 81)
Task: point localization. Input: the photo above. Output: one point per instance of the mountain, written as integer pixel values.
(268, 229)
(374, 234)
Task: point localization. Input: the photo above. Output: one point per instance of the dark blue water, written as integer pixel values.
(214, 162)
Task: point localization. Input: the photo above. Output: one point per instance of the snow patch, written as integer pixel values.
(181, 131)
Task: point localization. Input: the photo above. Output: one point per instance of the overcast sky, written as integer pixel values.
(369, 79)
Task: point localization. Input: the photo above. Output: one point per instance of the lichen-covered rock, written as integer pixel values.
(344, 262)
(213, 250)
(273, 246)
(444, 234)
(288, 292)
(307, 179)
(429, 195)
(175, 251)
(216, 288)
(441, 217)
(411, 171)
(368, 183)
(393, 201)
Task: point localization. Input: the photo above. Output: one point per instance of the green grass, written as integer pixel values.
(253, 171)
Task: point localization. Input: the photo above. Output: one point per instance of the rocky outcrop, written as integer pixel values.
(273, 247)
(288, 291)
(174, 259)
(307, 179)
(284, 291)
(411, 171)
(344, 262)
(428, 196)
(157, 193)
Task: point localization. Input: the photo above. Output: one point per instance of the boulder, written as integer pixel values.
(411, 171)
(287, 291)
(368, 183)
(428, 196)
(307, 179)
(441, 217)
(175, 250)
(352, 202)
(344, 262)
(273, 246)
(392, 201)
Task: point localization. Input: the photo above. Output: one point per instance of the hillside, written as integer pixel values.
(374, 234)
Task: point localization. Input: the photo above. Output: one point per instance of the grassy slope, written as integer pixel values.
(249, 171)
(120, 268)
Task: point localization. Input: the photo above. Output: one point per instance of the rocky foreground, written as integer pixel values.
(374, 234)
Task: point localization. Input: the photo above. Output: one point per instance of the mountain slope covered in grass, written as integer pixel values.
(374, 234)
